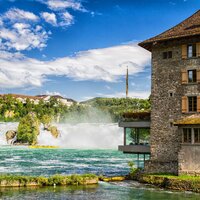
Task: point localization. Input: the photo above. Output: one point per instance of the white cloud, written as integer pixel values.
(1, 22)
(22, 36)
(49, 18)
(107, 64)
(67, 19)
(15, 14)
(137, 94)
(63, 4)
(62, 7)
(132, 94)
(50, 93)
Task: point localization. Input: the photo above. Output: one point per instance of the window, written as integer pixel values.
(192, 104)
(171, 93)
(191, 50)
(192, 76)
(187, 135)
(196, 135)
(167, 54)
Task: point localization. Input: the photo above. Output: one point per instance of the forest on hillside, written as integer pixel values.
(94, 110)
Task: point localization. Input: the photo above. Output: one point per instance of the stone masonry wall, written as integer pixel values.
(189, 160)
(166, 78)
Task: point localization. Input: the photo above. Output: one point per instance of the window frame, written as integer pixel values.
(191, 51)
(188, 133)
(167, 55)
(194, 76)
(193, 101)
(197, 133)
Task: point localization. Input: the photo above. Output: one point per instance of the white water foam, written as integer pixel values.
(76, 136)
(84, 135)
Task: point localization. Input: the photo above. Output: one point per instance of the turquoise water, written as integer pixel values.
(22, 160)
(104, 191)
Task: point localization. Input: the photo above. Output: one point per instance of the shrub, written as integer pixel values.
(28, 129)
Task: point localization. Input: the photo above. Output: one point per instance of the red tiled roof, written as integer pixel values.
(187, 28)
(21, 96)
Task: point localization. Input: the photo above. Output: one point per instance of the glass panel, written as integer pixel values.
(192, 104)
(194, 76)
(184, 135)
(190, 54)
(131, 136)
(196, 135)
(136, 136)
(164, 55)
(191, 76)
(194, 50)
(169, 54)
(144, 136)
(187, 135)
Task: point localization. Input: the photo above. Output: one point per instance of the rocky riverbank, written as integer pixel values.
(171, 182)
(56, 180)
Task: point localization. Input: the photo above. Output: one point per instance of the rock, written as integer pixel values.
(54, 131)
(113, 179)
(10, 135)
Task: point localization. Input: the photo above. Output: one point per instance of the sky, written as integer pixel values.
(80, 49)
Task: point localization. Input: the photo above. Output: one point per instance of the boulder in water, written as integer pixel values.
(10, 135)
(54, 131)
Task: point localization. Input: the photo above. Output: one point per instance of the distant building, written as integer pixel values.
(175, 102)
(45, 98)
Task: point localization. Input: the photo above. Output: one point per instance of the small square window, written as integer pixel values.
(164, 55)
(167, 54)
(171, 93)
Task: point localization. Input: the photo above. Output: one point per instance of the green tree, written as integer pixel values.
(28, 129)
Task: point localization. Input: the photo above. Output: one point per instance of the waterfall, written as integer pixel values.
(84, 135)
(73, 136)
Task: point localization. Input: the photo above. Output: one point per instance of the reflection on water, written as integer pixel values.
(103, 191)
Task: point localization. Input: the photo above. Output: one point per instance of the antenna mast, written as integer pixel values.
(127, 82)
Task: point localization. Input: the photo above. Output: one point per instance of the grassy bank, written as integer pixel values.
(183, 182)
(24, 181)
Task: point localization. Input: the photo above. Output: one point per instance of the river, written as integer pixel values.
(84, 148)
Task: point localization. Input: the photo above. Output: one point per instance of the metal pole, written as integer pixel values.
(124, 136)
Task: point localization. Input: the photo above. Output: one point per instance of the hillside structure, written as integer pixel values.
(38, 98)
(175, 101)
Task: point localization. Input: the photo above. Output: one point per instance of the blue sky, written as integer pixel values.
(81, 48)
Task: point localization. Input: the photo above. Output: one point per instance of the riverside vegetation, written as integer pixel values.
(12, 109)
(166, 181)
(30, 115)
(24, 181)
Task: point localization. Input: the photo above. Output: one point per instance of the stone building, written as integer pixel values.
(175, 100)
